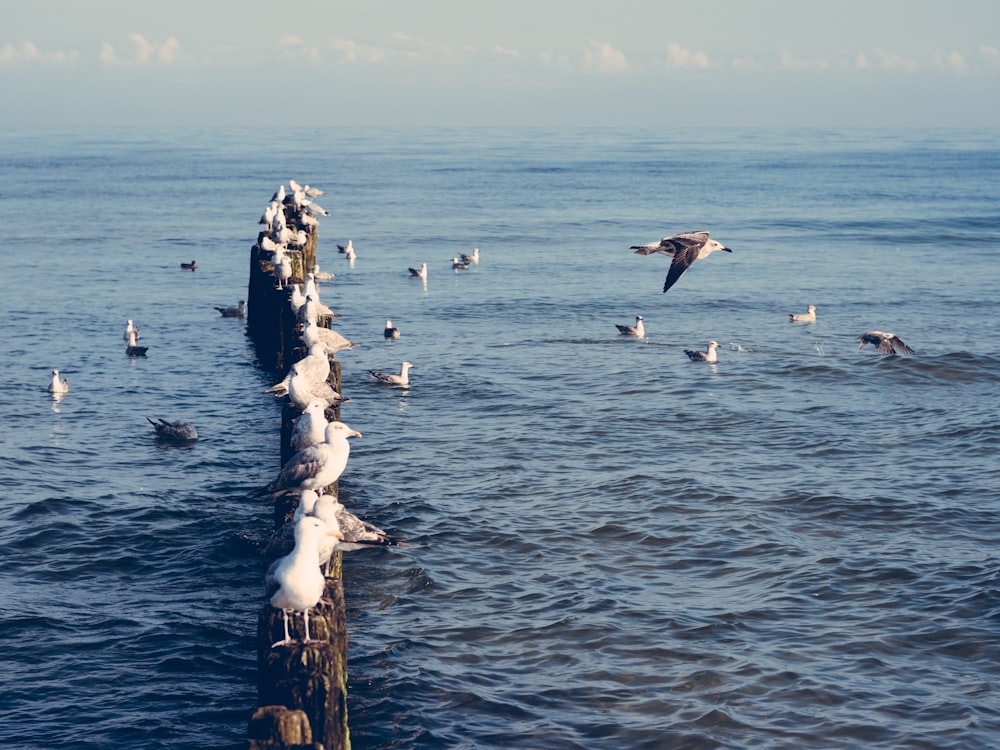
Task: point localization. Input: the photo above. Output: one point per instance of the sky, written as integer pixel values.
(745, 63)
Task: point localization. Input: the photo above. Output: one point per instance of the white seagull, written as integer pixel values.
(685, 248)
(310, 426)
(886, 343)
(390, 332)
(356, 534)
(179, 431)
(332, 340)
(295, 583)
(706, 356)
(637, 330)
(318, 466)
(419, 273)
(132, 349)
(302, 389)
(128, 329)
(315, 366)
(58, 385)
(348, 248)
(470, 257)
(393, 379)
(806, 317)
(322, 275)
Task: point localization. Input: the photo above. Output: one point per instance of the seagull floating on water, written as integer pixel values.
(57, 385)
(392, 379)
(886, 343)
(685, 248)
(190, 266)
(706, 356)
(179, 430)
(318, 466)
(295, 583)
(390, 332)
(637, 330)
(132, 349)
(458, 265)
(806, 317)
(348, 248)
(470, 257)
(234, 312)
(322, 275)
(419, 273)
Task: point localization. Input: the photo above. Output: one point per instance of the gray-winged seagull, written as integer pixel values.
(685, 248)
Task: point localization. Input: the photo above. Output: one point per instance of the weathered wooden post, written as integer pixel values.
(301, 687)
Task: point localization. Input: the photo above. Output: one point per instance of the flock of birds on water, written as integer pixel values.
(302, 549)
(687, 247)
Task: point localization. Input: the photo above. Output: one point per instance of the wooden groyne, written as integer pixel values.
(301, 687)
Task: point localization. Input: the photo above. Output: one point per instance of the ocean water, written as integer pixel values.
(610, 546)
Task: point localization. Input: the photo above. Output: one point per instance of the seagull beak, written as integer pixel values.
(356, 434)
(336, 533)
(728, 250)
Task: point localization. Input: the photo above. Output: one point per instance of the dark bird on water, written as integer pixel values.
(706, 356)
(234, 312)
(179, 430)
(685, 248)
(131, 349)
(390, 332)
(190, 266)
(886, 343)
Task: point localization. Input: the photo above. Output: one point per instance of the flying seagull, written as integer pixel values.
(886, 343)
(685, 248)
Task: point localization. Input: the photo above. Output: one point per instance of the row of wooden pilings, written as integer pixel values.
(301, 688)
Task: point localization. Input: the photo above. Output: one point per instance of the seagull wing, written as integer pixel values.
(685, 255)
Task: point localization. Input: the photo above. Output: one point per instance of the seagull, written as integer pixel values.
(312, 309)
(315, 366)
(282, 267)
(473, 258)
(310, 426)
(318, 466)
(128, 329)
(458, 265)
(190, 266)
(420, 273)
(685, 248)
(886, 343)
(806, 317)
(302, 389)
(348, 248)
(295, 583)
(322, 275)
(332, 340)
(234, 312)
(637, 330)
(312, 192)
(355, 533)
(135, 351)
(706, 356)
(58, 386)
(393, 379)
(390, 332)
(179, 430)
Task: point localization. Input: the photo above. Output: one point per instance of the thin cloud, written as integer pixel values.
(352, 52)
(28, 52)
(990, 55)
(681, 57)
(891, 61)
(951, 61)
(142, 52)
(790, 63)
(605, 59)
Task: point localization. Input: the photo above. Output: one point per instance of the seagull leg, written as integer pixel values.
(288, 638)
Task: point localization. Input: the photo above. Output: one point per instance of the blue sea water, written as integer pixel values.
(611, 546)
